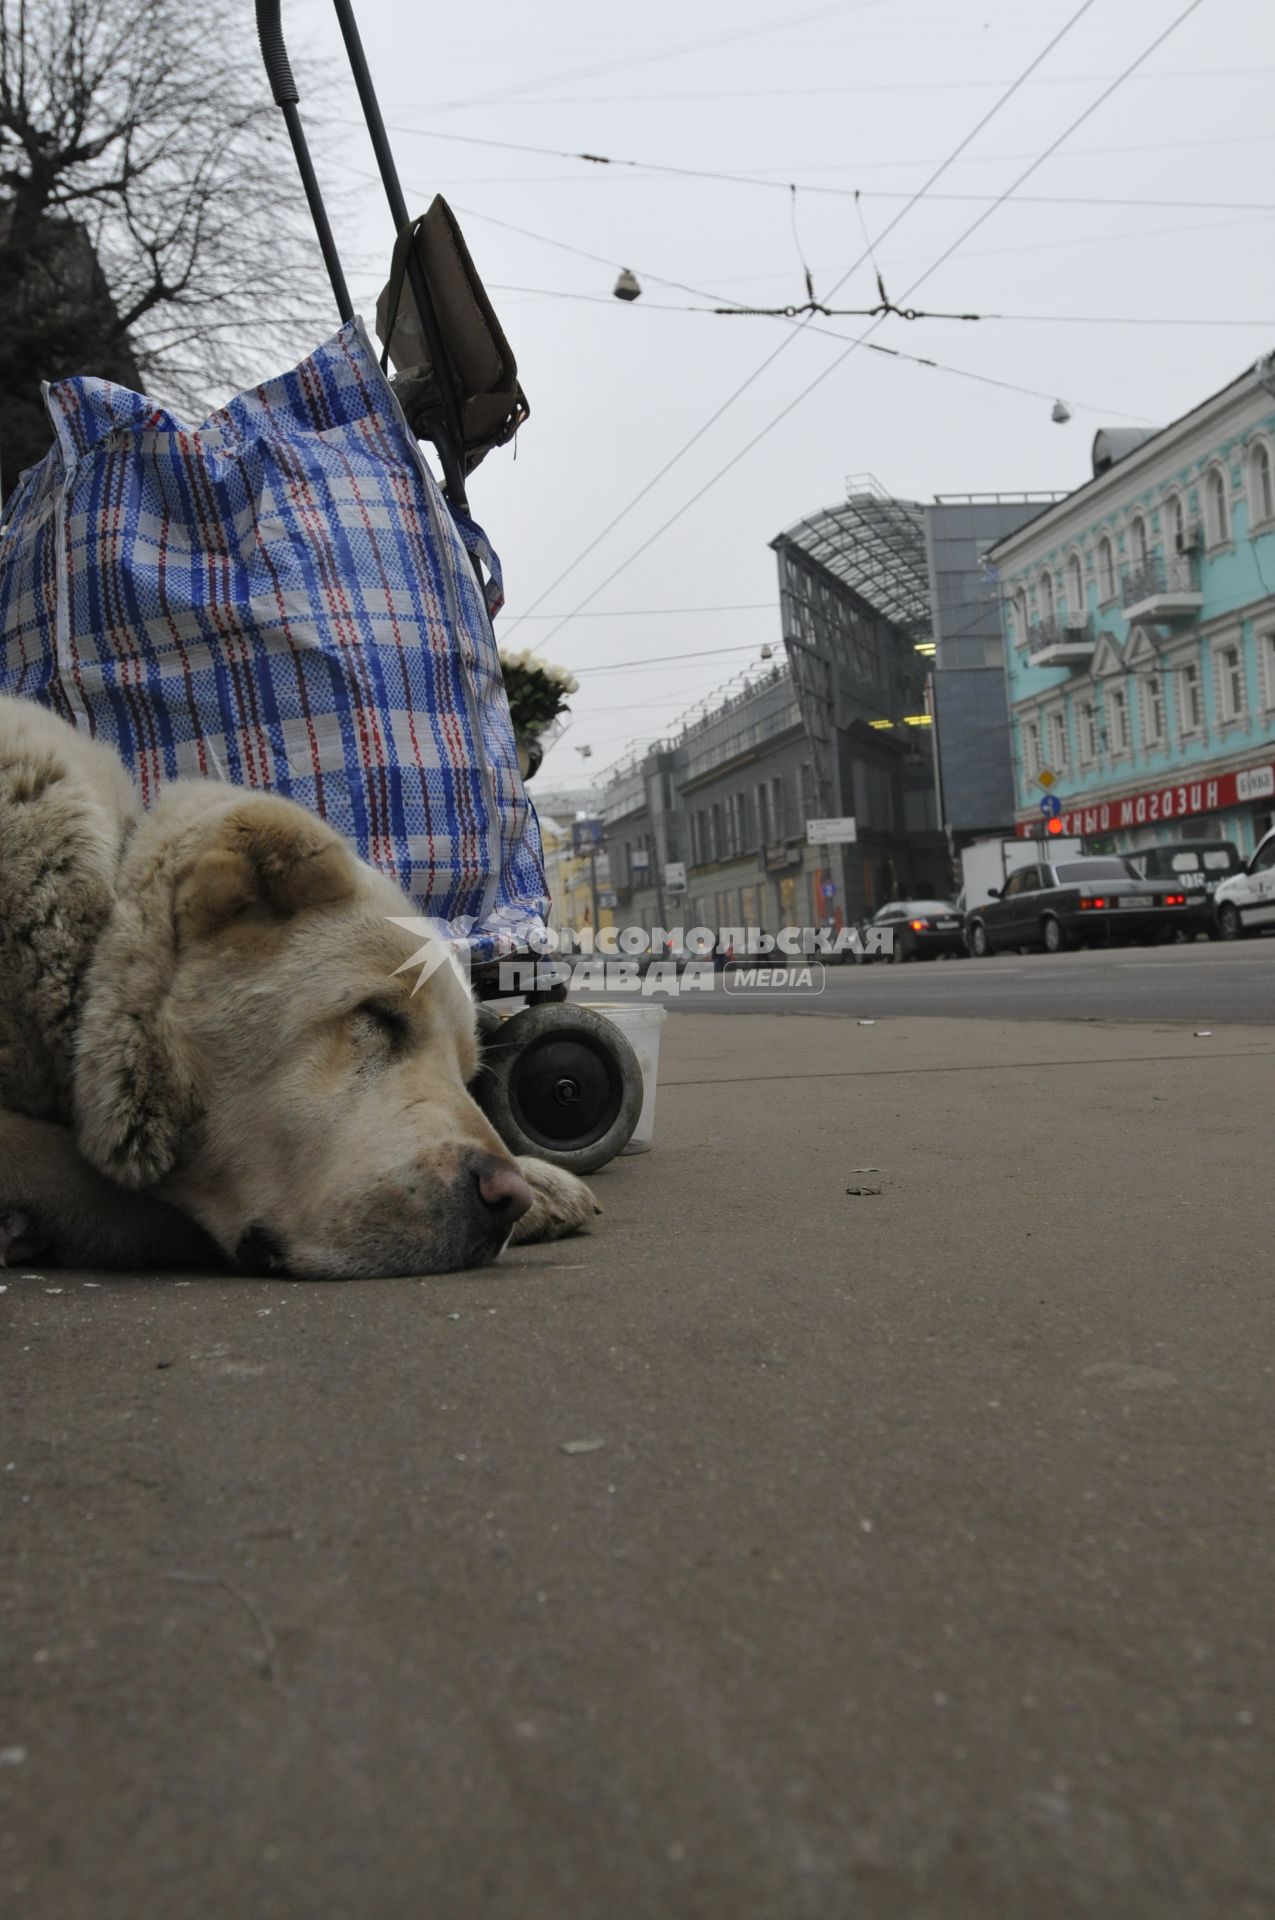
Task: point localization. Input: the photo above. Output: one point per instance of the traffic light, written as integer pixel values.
(1054, 825)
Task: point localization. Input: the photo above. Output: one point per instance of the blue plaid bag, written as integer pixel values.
(280, 598)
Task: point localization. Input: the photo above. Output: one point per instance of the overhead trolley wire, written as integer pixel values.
(799, 326)
(1087, 113)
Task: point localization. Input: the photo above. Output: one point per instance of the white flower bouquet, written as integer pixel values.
(538, 692)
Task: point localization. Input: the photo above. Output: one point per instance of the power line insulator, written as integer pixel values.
(627, 287)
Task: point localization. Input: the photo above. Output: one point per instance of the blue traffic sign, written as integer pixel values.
(1051, 806)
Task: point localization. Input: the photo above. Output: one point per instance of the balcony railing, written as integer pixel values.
(1160, 579)
(1071, 637)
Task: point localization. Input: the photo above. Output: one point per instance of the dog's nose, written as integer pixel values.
(502, 1190)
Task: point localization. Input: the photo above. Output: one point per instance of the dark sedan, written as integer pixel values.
(912, 930)
(1198, 867)
(1074, 903)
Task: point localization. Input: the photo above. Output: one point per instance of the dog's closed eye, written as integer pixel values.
(377, 1025)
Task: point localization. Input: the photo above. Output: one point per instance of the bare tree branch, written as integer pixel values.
(151, 223)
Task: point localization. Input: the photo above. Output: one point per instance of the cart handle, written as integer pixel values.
(284, 88)
(450, 441)
(275, 54)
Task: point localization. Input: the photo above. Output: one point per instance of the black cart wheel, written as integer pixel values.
(1052, 937)
(563, 1084)
(980, 945)
(1229, 924)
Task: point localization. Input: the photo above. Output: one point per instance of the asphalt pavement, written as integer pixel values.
(871, 1518)
(1200, 983)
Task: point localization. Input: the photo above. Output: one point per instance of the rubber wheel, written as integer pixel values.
(1053, 939)
(898, 951)
(980, 945)
(562, 1084)
(1229, 924)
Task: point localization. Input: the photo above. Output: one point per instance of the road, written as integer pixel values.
(1202, 984)
(870, 1520)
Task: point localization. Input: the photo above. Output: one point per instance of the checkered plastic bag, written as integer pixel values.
(280, 598)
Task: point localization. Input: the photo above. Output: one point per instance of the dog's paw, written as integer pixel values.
(561, 1204)
(22, 1242)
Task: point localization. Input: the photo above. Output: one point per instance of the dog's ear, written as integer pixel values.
(253, 867)
(268, 861)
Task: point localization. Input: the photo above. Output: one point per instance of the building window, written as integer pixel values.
(1118, 720)
(779, 807)
(1139, 544)
(1018, 618)
(1058, 740)
(1266, 654)
(1192, 699)
(1088, 733)
(1217, 508)
(1048, 599)
(1031, 748)
(1106, 570)
(1230, 669)
(1155, 715)
(1075, 585)
(1174, 522)
(1261, 485)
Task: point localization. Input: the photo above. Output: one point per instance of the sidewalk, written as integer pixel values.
(925, 1569)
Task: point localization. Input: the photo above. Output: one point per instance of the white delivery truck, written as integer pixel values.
(988, 863)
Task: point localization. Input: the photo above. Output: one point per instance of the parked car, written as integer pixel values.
(917, 930)
(1246, 902)
(1074, 902)
(665, 951)
(1198, 867)
(743, 953)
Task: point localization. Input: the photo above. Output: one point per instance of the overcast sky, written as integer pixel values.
(1159, 207)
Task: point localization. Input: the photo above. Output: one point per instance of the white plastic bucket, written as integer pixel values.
(640, 1024)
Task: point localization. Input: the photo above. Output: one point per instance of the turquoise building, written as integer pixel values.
(1139, 616)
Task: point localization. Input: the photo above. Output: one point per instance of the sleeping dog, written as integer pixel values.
(207, 1055)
